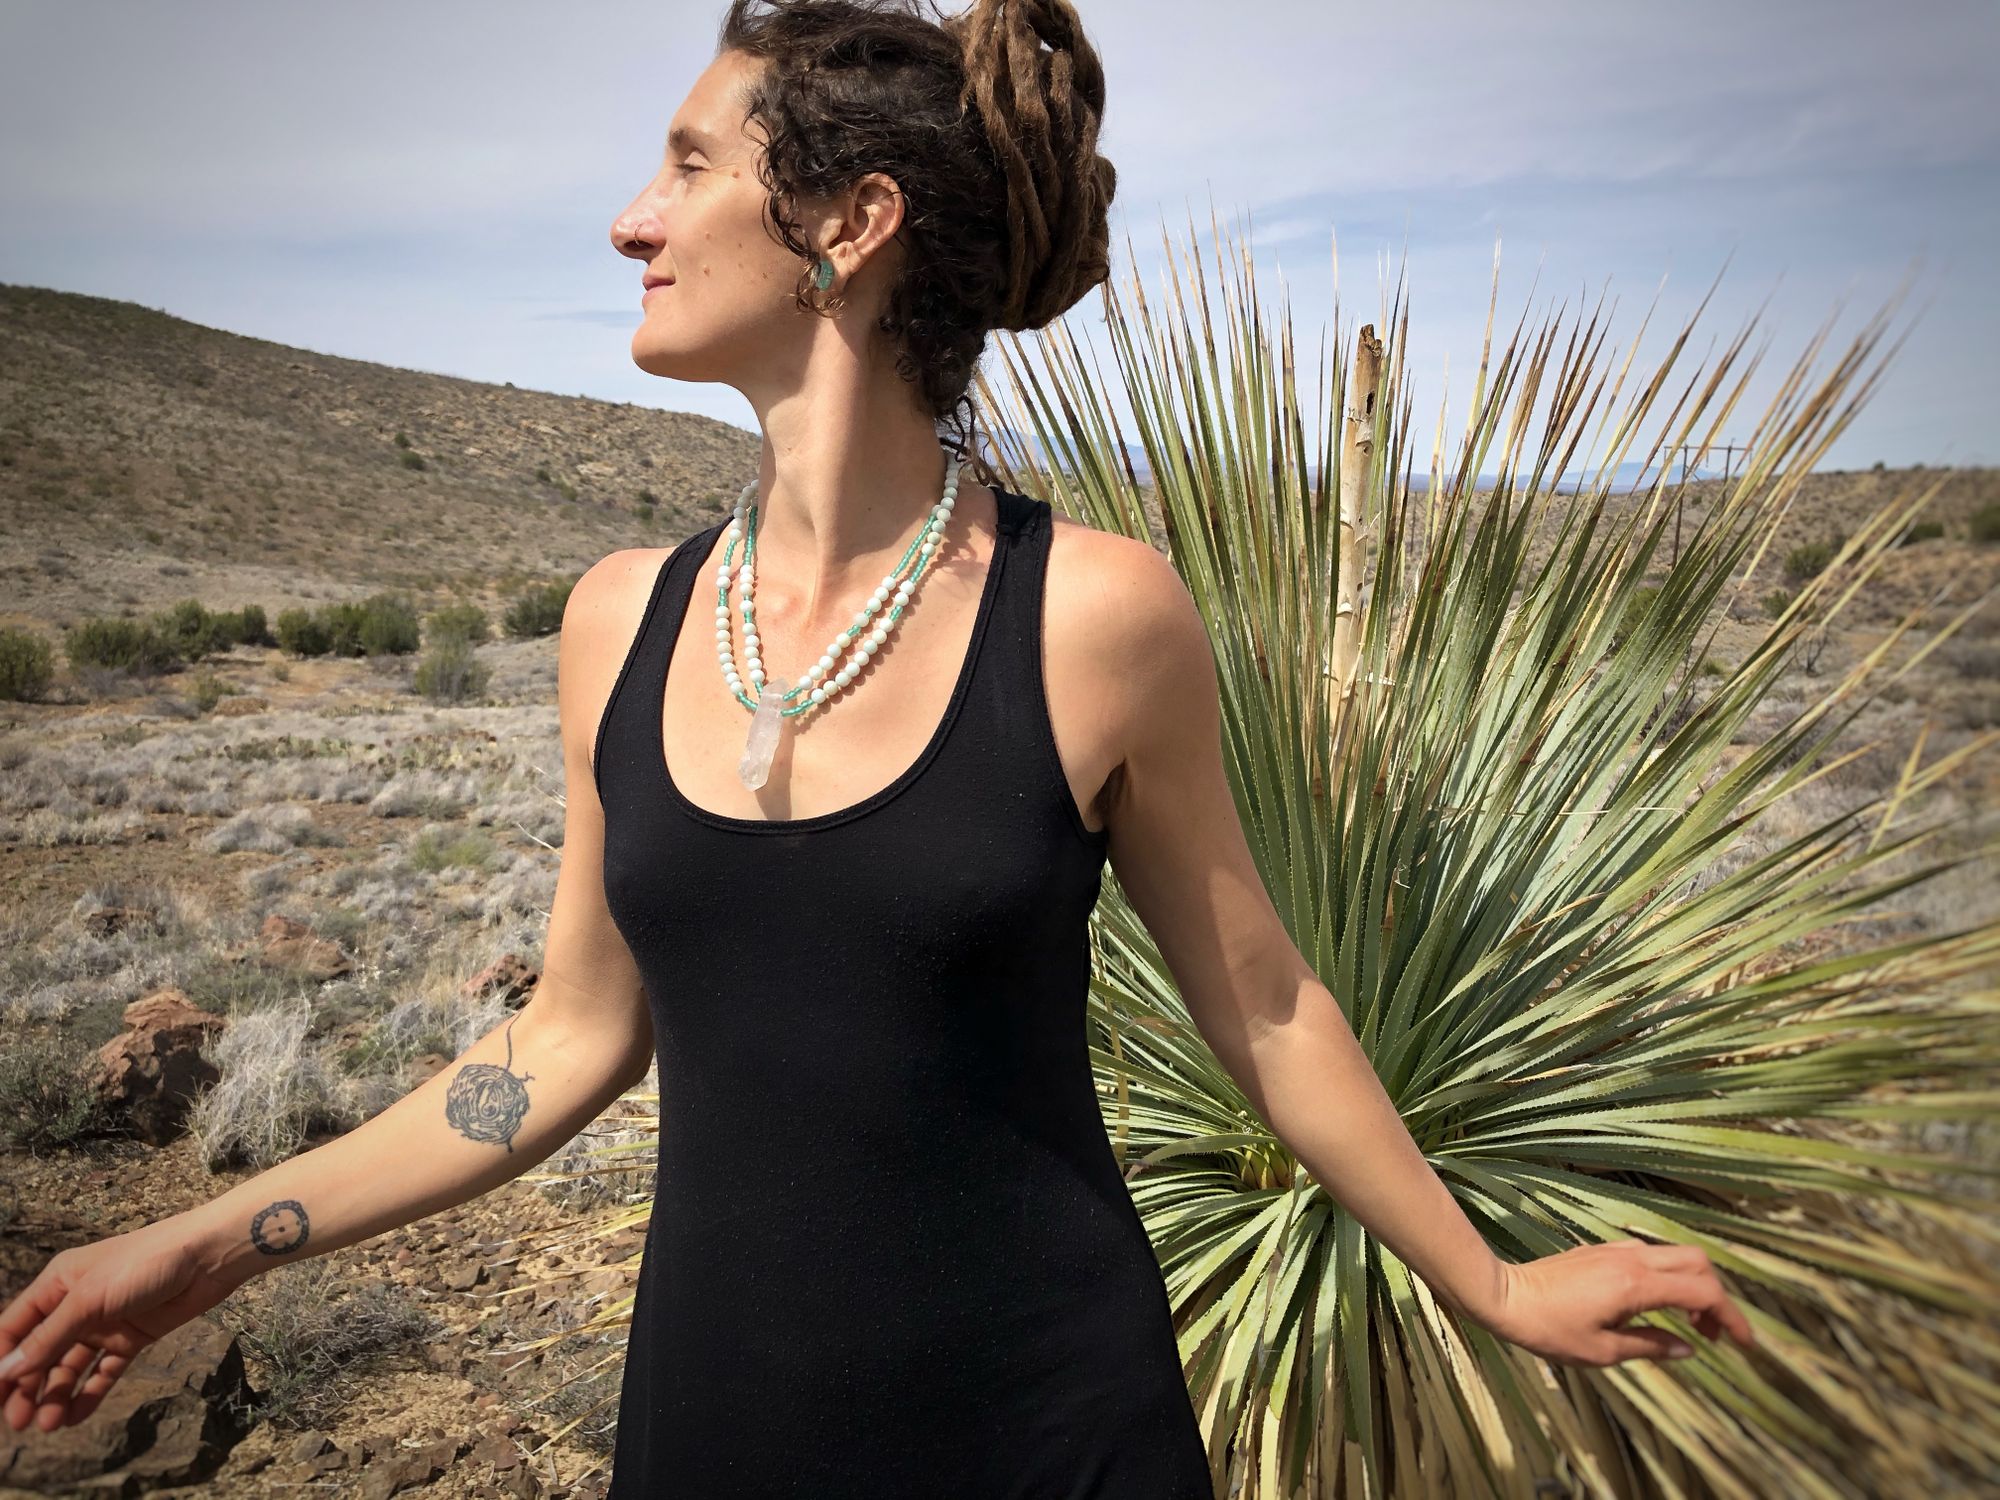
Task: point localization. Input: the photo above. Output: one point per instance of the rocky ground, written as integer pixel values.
(461, 1412)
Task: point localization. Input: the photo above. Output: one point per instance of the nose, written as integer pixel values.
(636, 232)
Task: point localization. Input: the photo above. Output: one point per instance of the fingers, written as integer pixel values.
(1695, 1287)
(96, 1384)
(68, 1393)
(52, 1406)
(62, 1318)
(30, 1305)
(1645, 1343)
(36, 1301)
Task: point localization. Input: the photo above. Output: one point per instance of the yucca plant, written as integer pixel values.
(1544, 864)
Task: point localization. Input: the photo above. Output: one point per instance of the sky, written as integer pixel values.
(431, 186)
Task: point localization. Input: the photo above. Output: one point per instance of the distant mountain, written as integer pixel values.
(1626, 476)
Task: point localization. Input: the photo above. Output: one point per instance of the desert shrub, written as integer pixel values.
(450, 673)
(538, 610)
(388, 626)
(193, 631)
(440, 848)
(278, 1086)
(413, 461)
(1635, 610)
(463, 622)
(206, 690)
(1920, 531)
(1807, 561)
(246, 626)
(445, 1024)
(47, 1097)
(304, 632)
(129, 645)
(1985, 525)
(1775, 601)
(27, 664)
(587, 1397)
(315, 1331)
(271, 829)
(342, 619)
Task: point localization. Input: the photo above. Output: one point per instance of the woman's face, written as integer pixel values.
(724, 311)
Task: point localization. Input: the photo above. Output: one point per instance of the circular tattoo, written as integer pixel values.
(281, 1228)
(486, 1101)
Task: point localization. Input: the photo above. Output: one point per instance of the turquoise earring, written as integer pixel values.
(823, 274)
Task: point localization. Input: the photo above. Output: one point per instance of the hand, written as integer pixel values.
(1573, 1307)
(74, 1329)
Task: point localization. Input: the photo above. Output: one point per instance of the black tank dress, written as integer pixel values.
(891, 1254)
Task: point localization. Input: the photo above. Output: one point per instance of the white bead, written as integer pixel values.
(865, 635)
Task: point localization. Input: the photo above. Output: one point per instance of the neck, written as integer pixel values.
(850, 468)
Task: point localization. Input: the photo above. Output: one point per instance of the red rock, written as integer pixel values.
(290, 944)
(151, 1071)
(172, 1418)
(107, 920)
(509, 977)
(495, 1451)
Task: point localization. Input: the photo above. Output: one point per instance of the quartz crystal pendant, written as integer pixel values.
(755, 766)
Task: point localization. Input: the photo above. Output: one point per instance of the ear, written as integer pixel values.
(862, 223)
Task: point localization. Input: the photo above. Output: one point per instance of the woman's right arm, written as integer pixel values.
(513, 1097)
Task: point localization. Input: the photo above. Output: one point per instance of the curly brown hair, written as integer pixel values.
(991, 139)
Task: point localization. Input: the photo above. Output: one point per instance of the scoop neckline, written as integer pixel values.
(961, 687)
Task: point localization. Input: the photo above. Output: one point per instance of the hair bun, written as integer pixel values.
(1041, 110)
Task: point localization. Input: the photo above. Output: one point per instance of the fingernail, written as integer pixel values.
(10, 1364)
(1679, 1348)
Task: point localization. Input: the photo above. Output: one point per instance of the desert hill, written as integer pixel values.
(131, 438)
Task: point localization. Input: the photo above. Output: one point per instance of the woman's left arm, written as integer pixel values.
(1178, 849)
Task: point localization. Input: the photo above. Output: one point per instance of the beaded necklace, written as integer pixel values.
(773, 701)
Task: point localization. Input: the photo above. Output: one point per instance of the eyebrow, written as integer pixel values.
(687, 138)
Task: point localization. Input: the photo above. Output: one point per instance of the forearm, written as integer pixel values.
(503, 1105)
(1313, 1085)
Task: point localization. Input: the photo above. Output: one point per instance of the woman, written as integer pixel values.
(845, 904)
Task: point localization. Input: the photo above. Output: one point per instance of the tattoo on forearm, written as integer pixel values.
(281, 1228)
(486, 1103)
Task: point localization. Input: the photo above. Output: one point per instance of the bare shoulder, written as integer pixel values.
(605, 604)
(1121, 600)
(1127, 650)
(600, 621)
